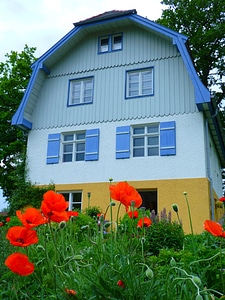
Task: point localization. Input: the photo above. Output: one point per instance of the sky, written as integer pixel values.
(42, 23)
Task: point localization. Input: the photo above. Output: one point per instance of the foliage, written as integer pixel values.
(14, 75)
(92, 265)
(164, 235)
(27, 194)
(92, 211)
(74, 258)
(204, 23)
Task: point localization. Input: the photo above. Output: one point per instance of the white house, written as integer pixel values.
(118, 97)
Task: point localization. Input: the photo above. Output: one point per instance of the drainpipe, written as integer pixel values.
(209, 166)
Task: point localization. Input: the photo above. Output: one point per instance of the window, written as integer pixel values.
(110, 43)
(73, 147)
(146, 140)
(81, 91)
(149, 200)
(74, 199)
(139, 83)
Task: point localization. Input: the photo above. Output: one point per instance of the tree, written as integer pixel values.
(203, 21)
(14, 76)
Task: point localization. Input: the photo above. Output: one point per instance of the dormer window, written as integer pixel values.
(109, 43)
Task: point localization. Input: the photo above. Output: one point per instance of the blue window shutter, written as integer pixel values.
(123, 142)
(53, 148)
(92, 144)
(167, 138)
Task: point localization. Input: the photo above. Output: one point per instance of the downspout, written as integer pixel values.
(209, 166)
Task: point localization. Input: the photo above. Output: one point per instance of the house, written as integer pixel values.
(118, 97)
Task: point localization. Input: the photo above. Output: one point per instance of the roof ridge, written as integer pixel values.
(106, 15)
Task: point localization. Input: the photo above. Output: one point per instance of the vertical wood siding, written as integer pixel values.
(173, 89)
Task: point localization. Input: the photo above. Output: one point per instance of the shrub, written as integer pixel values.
(163, 235)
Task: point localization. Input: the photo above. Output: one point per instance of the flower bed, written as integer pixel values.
(55, 254)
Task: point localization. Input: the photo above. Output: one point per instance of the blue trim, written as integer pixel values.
(123, 142)
(45, 69)
(18, 118)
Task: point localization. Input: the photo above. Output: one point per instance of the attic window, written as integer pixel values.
(109, 43)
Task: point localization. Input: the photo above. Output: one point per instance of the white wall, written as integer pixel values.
(189, 162)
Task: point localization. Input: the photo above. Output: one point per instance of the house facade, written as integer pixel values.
(118, 98)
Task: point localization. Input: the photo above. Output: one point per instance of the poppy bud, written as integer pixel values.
(196, 279)
(175, 207)
(172, 262)
(198, 297)
(185, 193)
(112, 203)
(78, 257)
(149, 273)
(84, 227)
(62, 225)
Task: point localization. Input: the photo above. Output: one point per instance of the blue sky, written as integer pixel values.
(41, 23)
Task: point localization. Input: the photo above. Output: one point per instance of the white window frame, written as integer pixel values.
(114, 43)
(74, 144)
(81, 91)
(147, 148)
(138, 84)
(70, 198)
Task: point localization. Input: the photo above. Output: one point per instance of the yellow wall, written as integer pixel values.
(168, 191)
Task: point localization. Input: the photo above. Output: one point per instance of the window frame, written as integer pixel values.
(81, 81)
(145, 136)
(74, 143)
(140, 87)
(111, 46)
(70, 198)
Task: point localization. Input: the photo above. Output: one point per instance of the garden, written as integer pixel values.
(53, 253)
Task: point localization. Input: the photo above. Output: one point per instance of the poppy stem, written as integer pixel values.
(189, 213)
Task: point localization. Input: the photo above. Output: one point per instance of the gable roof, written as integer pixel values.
(111, 18)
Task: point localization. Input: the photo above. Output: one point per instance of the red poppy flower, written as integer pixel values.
(1, 224)
(21, 236)
(53, 207)
(70, 292)
(19, 264)
(7, 219)
(144, 222)
(214, 228)
(133, 214)
(31, 218)
(72, 214)
(126, 194)
(121, 283)
(222, 199)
